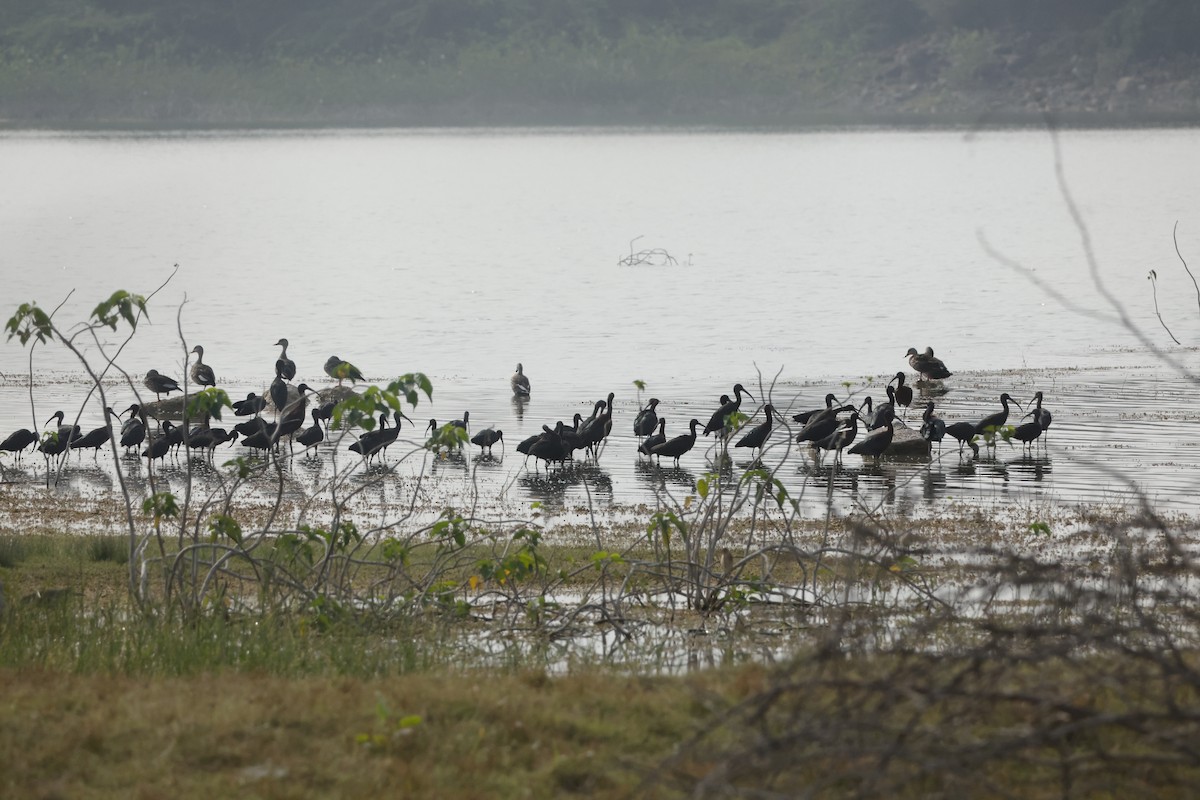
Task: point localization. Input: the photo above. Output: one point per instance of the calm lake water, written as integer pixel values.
(819, 257)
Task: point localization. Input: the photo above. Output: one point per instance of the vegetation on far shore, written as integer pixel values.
(506, 62)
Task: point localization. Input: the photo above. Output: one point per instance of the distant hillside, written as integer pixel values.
(419, 62)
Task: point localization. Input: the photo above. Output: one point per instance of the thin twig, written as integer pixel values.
(1153, 278)
(1175, 239)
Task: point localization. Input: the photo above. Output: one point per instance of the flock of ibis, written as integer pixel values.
(831, 428)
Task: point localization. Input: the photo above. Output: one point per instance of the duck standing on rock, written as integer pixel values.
(160, 384)
(341, 370)
(202, 374)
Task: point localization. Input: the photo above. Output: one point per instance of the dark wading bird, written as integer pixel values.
(1028, 432)
(596, 430)
(1039, 414)
(18, 441)
(676, 447)
(342, 370)
(572, 437)
(840, 438)
(927, 365)
(549, 446)
(159, 445)
(876, 442)
(822, 424)
(486, 438)
(804, 416)
(284, 366)
(63, 435)
(208, 439)
(964, 432)
(933, 429)
(647, 419)
(201, 373)
(133, 431)
(904, 394)
(160, 384)
(650, 442)
(375, 442)
(520, 383)
(278, 392)
(96, 437)
(757, 437)
(310, 437)
(719, 418)
(882, 414)
(992, 422)
(251, 406)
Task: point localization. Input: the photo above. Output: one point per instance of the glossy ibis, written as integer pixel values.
(647, 419)
(1041, 415)
(374, 442)
(133, 431)
(718, 420)
(595, 430)
(549, 446)
(840, 438)
(18, 441)
(757, 437)
(676, 447)
(65, 433)
(964, 432)
(927, 365)
(158, 446)
(520, 383)
(284, 366)
(882, 413)
(804, 416)
(312, 436)
(341, 370)
(876, 442)
(822, 424)
(279, 394)
(904, 394)
(1028, 432)
(486, 438)
(202, 374)
(988, 426)
(96, 437)
(252, 405)
(160, 384)
(648, 444)
(933, 429)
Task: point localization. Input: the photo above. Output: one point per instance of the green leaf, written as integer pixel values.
(224, 525)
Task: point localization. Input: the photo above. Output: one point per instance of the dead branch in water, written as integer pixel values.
(654, 257)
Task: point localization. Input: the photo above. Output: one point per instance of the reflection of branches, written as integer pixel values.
(654, 257)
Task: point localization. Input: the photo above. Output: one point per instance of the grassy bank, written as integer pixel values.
(1067, 676)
